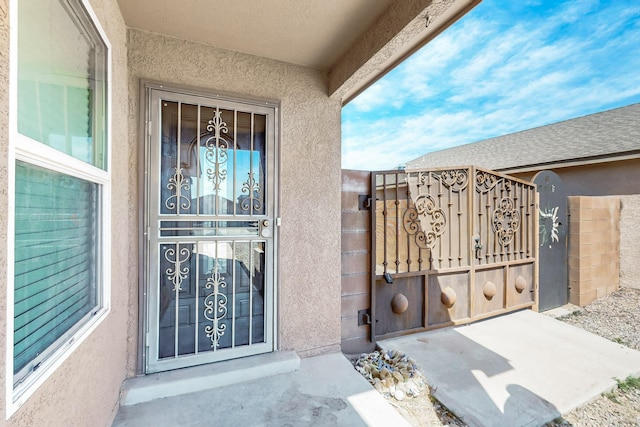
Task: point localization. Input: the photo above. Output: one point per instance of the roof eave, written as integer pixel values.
(628, 155)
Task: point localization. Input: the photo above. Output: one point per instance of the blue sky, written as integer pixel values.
(508, 65)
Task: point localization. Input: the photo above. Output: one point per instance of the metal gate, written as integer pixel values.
(553, 221)
(451, 246)
(210, 189)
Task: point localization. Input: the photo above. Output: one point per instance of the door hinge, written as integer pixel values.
(364, 317)
(364, 202)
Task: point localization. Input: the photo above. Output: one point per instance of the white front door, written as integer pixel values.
(210, 210)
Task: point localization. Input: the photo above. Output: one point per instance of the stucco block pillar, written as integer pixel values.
(594, 248)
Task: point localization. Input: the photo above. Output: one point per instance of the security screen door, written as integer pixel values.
(210, 226)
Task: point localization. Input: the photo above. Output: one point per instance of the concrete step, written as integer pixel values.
(198, 378)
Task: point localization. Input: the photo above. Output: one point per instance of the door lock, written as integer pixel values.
(265, 231)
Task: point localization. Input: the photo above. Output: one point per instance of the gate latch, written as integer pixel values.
(478, 246)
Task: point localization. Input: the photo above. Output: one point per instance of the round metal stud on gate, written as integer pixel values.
(521, 284)
(399, 303)
(489, 290)
(448, 297)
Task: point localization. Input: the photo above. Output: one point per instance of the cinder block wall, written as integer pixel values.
(630, 241)
(594, 247)
(356, 249)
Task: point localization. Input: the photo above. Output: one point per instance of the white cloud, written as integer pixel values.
(483, 78)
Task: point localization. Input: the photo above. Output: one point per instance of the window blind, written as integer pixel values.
(56, 266)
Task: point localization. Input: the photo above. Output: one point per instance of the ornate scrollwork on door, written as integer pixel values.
(215, 307)
(253, 199)
(217, 146)
(425, 206)
(176, 274)
(177, 184)
(506, 221)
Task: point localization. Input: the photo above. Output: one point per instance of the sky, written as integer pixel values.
(506, 66)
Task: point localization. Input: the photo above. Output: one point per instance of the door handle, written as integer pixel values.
(265, 228)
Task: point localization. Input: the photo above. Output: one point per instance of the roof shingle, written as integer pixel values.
(609, 133)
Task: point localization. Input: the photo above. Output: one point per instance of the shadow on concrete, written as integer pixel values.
(521, 369)
(465, 376)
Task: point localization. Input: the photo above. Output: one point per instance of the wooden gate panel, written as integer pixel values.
(448, 299)
(520, 285)
(489, 292)
(400, 304)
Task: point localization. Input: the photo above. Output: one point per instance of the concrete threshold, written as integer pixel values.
(199, 378)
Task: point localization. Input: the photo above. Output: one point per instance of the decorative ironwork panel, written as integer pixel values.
(425, 212)
(178, 271)
(452, 228)
(506, 221)
(210, 216)
(216, 147)
(212, 161)
(503, 218)
(215, 306)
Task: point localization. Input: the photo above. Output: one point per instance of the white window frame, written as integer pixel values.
(23, 148)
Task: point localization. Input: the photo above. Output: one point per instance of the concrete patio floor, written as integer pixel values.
(520, 369)
(323, 391)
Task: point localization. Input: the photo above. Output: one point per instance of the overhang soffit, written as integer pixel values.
(405, 27)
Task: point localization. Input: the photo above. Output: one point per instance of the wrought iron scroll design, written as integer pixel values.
(252, 188)
(455, 179)
(425, 206)
(177, 184)
(486, 181)
(217, 147)
(176, 273)
(215, 307)
(506, 221)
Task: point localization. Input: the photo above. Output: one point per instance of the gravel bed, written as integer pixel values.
(615, 317)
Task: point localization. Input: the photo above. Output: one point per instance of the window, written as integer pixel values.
(61, 187)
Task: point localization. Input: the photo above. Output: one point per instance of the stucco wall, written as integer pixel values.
(629, 241)
(600, 179)
(309, 245)
(84, 390)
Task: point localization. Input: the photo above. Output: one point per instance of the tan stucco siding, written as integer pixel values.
(598, 179)
(83, 391)
(309, 242)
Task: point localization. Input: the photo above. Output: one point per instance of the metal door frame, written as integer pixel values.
(150, 91)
